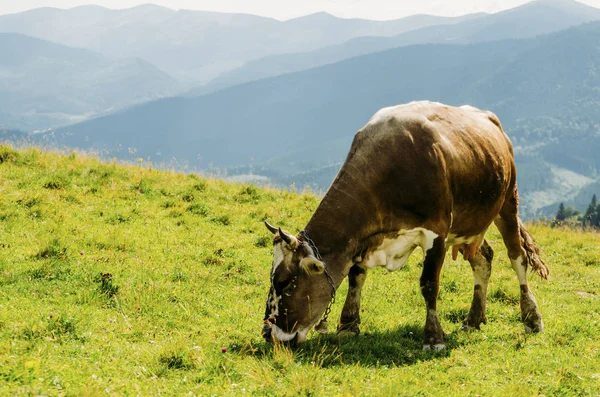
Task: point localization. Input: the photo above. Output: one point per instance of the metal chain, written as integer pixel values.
(332, 301)
(312, 245)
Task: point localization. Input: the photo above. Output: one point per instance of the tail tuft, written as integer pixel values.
(532, 251)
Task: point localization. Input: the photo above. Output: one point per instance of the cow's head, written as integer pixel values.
(300, 289)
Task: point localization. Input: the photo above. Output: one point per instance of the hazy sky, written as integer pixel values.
(285, 9)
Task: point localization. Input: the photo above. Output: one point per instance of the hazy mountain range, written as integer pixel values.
(526, 21)
(320, 78)
(198, 45)
(43, 84)
(88, 61)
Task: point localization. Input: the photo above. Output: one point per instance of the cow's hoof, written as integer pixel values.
(322, 327)
(469, 328)
(346, 333)
(473, 325)
(348, 330)
(437, 347)
(534, 327)
(473, 322)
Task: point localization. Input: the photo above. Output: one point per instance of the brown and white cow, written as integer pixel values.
(417, 175)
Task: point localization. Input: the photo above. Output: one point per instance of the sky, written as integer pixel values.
(286, 9)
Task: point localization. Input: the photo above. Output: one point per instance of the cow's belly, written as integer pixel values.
(392, 253)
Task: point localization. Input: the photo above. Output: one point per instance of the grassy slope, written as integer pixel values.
(188, 261)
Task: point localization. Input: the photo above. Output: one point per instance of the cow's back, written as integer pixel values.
(426, 161)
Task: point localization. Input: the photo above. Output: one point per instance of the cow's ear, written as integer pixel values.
(312, 265)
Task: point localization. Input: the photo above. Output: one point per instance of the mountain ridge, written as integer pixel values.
(524, 21)
(195, 46)
(249, 124)
(45, 84)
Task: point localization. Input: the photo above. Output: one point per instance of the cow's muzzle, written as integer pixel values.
(272, 333)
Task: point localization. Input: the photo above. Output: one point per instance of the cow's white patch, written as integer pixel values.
(481, 275)
(393, 253)
(518, 267)
(280, 335)
(274, 305)
(278, 257)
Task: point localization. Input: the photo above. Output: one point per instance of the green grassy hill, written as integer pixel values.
(129, 281)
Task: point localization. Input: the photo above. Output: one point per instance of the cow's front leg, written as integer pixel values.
(350, 318)
(430, 285)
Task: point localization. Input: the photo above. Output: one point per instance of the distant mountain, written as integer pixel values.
(43, 84)
(545, 91)
(197, 45)
(526, 21)
(13, 136)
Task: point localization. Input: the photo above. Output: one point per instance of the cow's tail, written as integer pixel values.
(532, 252)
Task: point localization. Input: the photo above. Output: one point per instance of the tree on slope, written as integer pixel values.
(592, 214)
(560, 214)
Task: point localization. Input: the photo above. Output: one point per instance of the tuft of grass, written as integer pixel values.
(188, 197)
(198, 209)
(168, 204)
(180, 276)
(61, 328)
(200, 185)
(456, 316)
(143, 186)
(29, 202)
(8, 154)
(500, 295)
(106, 284)
(263, 241)
(223, 220)
(50, 270)
(248, 194)
(54, 327)
(118, 218)
(176, 359)
(56, 181)
(53, 250)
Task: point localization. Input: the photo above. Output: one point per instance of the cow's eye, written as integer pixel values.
(283, 284)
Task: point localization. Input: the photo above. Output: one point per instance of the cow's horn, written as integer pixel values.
(289, 239)
(271, 228)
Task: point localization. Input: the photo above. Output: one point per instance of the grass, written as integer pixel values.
(122, 280)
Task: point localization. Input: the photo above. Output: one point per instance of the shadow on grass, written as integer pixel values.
(399, 347)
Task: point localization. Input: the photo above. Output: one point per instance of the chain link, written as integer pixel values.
(332, 301)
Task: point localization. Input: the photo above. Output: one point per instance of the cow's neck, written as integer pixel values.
(337, 231)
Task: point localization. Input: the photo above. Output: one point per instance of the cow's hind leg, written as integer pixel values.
(522, 251)
(482, 268)
(350, 318)
(430, 285)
